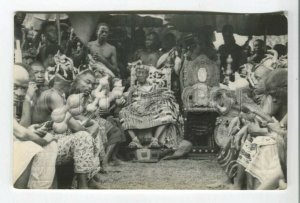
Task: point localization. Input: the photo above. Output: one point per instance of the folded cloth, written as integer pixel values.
(23, 153)
(260, 157)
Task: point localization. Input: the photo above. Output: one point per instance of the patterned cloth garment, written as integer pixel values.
(78, 147)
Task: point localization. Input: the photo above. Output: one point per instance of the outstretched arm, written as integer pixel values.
(26, 134)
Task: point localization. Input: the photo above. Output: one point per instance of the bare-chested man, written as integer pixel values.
(36, 85)
(102, 51)
(34, 155)
(149, 55)
(84, 84)
(77, 146)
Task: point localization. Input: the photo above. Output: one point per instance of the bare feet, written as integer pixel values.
(135, 144)
(154, 144)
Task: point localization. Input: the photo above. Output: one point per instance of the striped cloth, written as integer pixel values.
(149, 109)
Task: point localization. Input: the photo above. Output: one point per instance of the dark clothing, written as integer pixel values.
(116, 133)
(237, 54)
(256, 58)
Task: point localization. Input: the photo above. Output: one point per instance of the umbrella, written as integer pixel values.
(243, 24)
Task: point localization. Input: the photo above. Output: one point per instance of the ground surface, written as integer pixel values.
(172, 174)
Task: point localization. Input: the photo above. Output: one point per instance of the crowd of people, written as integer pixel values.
(75, 104)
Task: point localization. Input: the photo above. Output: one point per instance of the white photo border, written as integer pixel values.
(9, 194)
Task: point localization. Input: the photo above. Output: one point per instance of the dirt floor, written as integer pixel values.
(171, 174)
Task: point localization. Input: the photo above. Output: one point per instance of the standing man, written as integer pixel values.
(230, 48)
(149, 55)
(102, 51)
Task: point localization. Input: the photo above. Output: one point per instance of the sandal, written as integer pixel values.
(135, 144)
(154, 144)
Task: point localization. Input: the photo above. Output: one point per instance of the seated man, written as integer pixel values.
(263, 153)
(36, 87)
(77, 146)
(149, 109)
(109, 135)
(34, 156)
(37, 75)
(258, 52)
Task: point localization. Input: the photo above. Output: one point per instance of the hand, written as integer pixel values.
(38, 130)
(239, 137)
(98, 57)
(32, 136)
(247, 117)
(49, 138)
(93, 130)
(31, 91)
(121, 101)
(233, 126)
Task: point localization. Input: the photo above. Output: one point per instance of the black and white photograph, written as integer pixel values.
(150, 100)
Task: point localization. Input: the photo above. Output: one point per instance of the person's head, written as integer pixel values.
(261, 72)
(19, 18)
(281, 49)
(247, 50)
(37, 73)
(258, 46)
(102, 32)
(152, 41)
(142, 75)
(27, 59)
(84, 83)
(276, 90)
(169, 41)
(227, 33)
(49, 30)
(21, 80)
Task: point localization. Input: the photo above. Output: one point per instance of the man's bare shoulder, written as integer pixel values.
(110, 47)
(51, 95)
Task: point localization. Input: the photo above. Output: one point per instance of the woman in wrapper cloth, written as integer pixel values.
(150, 111)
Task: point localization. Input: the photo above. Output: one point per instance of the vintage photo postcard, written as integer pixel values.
(150, 100)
